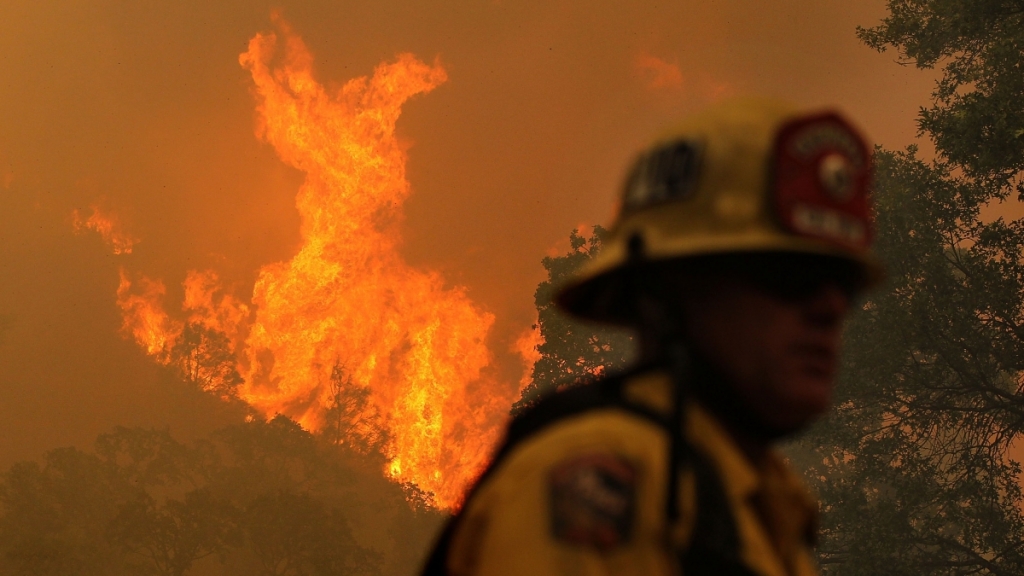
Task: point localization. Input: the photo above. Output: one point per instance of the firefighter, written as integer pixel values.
(741, 243)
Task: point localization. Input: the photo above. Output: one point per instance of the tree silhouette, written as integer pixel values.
(170, 536)
(350, 417)
(573, 351)
(53, 516)
(255, 497)
(205, 358)
(297, 535)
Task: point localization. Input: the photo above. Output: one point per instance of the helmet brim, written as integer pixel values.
(606, 291)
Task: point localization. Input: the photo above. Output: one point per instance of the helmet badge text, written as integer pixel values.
(820, 180)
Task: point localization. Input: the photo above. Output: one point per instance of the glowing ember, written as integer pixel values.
(107, 226)
(347, 308)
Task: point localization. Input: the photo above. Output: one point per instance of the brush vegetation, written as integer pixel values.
(255, 498)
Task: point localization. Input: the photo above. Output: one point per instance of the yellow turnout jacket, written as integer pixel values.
(585, 493)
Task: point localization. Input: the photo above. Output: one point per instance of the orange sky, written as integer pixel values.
(144, 110)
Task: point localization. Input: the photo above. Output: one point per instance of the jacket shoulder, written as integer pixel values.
(585, 491)
(581, 481)
(580, 473)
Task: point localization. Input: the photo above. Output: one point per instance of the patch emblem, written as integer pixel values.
(593, 500)
(667, 173)
(821, 176)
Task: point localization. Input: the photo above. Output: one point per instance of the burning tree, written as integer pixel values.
(350, 417)
(417, 384)
(205, 359)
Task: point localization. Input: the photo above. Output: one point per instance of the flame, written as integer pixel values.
(108, 226)
(528, 347)
(209, 307)
(145, 318)
(658, 74)
(347, 307)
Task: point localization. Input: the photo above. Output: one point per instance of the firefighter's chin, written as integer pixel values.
(793, 399)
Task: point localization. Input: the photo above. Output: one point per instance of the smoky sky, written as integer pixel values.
(143, 109)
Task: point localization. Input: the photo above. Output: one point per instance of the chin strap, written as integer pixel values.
(661, 322)
(714, 545)
(680, 451)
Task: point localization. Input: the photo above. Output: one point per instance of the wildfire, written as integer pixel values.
(109, 228)
(346, 308)
(145, 318)
(528, 347)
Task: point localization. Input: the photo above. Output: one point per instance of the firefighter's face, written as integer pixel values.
(779, 349)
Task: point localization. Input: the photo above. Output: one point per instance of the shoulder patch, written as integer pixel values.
(593, 498)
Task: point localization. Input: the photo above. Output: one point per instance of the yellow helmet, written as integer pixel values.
(746, 176)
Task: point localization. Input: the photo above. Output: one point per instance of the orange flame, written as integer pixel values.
(210, 308)
(144, 316)
(528, 347)
(347, 300)
(658, 74)
(107, 226)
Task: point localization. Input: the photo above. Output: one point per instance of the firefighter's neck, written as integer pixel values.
(755, 448)
(706, 385)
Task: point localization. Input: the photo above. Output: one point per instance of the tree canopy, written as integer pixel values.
(975, 118)
(258, 497)
(573, 351)
(913, 465)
